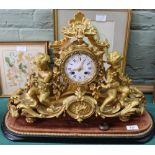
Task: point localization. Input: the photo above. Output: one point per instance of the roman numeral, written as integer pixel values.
(87, 73)
(72, 73)
(79, 56)
(88, 63)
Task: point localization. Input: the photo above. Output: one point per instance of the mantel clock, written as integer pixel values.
(79, 96)
(79, 85)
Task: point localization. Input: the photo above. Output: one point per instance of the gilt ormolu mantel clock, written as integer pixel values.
(75, 97)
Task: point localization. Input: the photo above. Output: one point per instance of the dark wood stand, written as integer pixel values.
(67, 130)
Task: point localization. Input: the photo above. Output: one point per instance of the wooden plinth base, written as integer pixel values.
(67, 130)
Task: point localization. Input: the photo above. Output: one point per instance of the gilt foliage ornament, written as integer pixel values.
(78, 84)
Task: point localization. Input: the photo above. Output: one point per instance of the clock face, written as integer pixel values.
(80, 68)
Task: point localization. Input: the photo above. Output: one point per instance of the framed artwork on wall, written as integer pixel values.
(16, 61)
(113, 25)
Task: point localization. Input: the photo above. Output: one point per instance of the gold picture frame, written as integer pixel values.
(15, 63)
(63, 16)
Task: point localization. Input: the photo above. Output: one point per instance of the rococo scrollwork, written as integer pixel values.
(78, 85)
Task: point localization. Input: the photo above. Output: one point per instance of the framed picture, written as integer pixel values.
(113, 25)
(16, 63)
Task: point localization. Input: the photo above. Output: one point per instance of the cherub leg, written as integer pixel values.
(32, 94)
(43, 98)
(112, 93)
(124, 94)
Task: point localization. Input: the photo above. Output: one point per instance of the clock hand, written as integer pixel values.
(80, 67)
(76, 69)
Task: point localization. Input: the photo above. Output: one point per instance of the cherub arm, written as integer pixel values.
(47, 78)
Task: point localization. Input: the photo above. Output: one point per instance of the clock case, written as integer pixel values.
(79, 126)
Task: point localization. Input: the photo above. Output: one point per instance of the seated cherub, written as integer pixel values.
(112, 75)
(40, 82)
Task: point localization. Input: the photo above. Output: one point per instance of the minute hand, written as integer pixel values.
(80, 67)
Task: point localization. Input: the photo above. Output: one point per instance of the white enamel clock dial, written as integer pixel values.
(80, 68)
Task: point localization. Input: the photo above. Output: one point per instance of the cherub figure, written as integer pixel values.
(35, 100)
(40, 82)
(121, 97)
(113, 80)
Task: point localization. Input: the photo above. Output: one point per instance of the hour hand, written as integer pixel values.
(81, 66)
(77, 69)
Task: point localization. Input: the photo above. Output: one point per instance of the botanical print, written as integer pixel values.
(17, 64)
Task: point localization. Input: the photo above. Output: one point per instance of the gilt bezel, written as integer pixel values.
(85, 51)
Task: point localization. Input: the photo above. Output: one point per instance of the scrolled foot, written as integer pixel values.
(30, 119)
(124, 118)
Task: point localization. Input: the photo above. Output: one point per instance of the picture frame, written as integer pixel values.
(146, 88)
(120, 26)
(16, 59)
